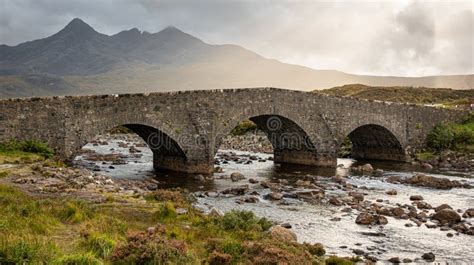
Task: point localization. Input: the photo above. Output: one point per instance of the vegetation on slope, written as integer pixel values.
(244, 127)
(66, 231)
(27, 148)
(453, 136)
(162, 228)
(418, 95)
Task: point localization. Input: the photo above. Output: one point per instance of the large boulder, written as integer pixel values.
(446, 216)
(283, 234)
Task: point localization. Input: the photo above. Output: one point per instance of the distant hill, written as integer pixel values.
(84, 61)
(418, 95)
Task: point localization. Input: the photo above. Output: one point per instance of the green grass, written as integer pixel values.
(459, 137)
(425, 156)
(78, 259)
(66, 231)
(22, 148)
(244, 127)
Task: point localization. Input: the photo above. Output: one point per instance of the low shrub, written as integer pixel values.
(75, 212)
(425, 156)
(244, 127)
(228, 246)
(243, 220)
(334, 260)
(26, 251)
(315, 249)
(150, 248)
(99, 245)
(452, 136)
(29, 146)
(167, 211)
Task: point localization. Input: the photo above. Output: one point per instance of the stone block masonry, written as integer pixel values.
(184, 129)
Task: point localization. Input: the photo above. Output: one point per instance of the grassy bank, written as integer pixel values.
(164, 229)
(15, 152)
(449, 138)
(453, 136)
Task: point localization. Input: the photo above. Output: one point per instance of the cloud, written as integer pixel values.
(386, 38)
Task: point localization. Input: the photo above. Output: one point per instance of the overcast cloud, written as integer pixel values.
(409, 38)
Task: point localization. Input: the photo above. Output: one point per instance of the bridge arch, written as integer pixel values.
(373, 141)
(291, 142)
(168, 152)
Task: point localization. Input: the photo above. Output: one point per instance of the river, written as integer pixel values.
(313, 222)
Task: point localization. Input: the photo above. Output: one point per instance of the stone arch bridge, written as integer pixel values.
(184, 129)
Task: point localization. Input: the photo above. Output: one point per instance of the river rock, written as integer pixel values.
(283, 234)
(335, 201)
(423, 180)
(446, 216)
(274, 196)
(427, 166)
(366, 218)
(423, 205)
(253, 181)
(416, 198)
(366, 168)
(357, 196)
(236, 190)
(250, 199)
(398, 212)
(302, 183)
(430, 257)
(236, 176)
(270, 185)
(468, 213)
(181, 211)
(391, 192)
(442, 207)
(395, 260)
(200, 178)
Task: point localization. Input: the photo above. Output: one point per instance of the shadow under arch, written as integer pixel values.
(167, 153)
(291, 144)
(376, 142)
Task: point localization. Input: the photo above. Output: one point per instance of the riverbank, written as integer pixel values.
(377, 212)
(67, 215)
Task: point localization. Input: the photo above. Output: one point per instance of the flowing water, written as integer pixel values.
(312, 222)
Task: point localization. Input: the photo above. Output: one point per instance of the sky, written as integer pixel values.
(403, 38)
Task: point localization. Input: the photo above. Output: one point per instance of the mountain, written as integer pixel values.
(81, 60)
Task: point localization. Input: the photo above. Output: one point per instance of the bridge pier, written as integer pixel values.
(380, 153)
(303, 157)
(180, 164)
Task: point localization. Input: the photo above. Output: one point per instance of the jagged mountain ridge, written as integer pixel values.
(85, 61)
(80, 50)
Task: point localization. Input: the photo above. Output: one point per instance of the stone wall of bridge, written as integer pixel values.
(185, 129)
